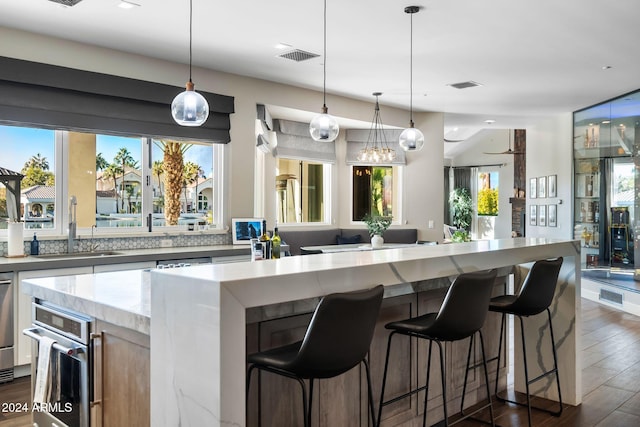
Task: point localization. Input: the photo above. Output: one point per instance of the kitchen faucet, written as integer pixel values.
(73, 203)
(93, 246)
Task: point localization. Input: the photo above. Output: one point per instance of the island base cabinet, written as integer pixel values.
(276, 401)
(121, 377)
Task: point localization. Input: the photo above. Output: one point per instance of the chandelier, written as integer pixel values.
(377, 150)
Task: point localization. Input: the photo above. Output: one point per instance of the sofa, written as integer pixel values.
(332, 236)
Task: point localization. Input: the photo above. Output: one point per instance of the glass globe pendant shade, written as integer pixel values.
(411, 139)
(190, 108)
(324, 127)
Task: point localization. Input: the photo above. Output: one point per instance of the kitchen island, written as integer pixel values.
(200, 315)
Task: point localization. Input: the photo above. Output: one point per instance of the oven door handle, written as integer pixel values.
(33, 333)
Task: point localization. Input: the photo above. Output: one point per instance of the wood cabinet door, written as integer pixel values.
(121, 377)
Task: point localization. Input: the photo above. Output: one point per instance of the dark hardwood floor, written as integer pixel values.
(610, 379)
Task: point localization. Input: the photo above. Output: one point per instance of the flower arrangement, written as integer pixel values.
(376, 225)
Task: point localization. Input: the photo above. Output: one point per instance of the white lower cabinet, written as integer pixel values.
(22, 304)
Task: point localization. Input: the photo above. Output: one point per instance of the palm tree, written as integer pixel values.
(131, 190)
(158, 170)
(37, 162)
(189, 176)
(101, 162)
(173, 162)
(123, 158)
(111, 172)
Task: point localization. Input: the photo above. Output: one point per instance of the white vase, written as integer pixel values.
(376, 241)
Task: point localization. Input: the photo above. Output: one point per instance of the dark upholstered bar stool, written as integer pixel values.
(534, 297)
(461, 316)
(337, 339)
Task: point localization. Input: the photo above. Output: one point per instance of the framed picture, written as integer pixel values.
(553, 215)
(245, 229)
(542, 187)
(551, 184)
(542, 215)
(533, 188)
(533, 214)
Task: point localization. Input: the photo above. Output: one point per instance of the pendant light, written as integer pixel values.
(190, 108)
(324, 127)
(377, 150)
(411, 139)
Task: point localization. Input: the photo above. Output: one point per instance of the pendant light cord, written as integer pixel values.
(324, 63)
(411, 73)
(190, 35)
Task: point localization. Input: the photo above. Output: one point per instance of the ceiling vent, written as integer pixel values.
(67, 2)
(298, 55)
(464, 85)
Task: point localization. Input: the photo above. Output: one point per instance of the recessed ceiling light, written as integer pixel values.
(127, 4)
(283, 46)
(489, 121)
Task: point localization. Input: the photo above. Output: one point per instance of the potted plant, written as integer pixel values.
(462, 208)
(376, 226)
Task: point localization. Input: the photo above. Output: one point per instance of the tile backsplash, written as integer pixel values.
(83, 244)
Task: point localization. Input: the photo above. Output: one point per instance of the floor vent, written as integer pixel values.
(609, 296)
(298, 55)
(6, 375)
(464, 85)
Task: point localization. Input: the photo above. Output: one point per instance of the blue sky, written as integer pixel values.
(15, 153)
(20, 144)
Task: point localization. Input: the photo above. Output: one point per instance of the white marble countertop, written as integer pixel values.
(121, 298)
(120, 257)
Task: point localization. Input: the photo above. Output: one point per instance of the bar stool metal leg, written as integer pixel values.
(555, 364)
(528, 381)
(426, 387)
(370, 392)
(308, 414)
(502, 323)
(444, 385)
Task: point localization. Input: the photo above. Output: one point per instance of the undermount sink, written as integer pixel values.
(79, 254)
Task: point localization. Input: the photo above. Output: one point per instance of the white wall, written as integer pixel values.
(550, 152)
(423, 177)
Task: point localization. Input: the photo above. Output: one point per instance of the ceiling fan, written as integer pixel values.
(509, 151)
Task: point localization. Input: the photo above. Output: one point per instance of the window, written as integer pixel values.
(488, 193)
(302, 191)
(375, 191)
(119, 182)
(30, 152)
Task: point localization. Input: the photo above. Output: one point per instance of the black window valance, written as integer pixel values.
(65, 98)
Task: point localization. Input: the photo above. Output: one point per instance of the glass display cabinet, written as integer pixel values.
(606, 144)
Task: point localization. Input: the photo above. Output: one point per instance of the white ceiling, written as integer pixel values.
(534, 58)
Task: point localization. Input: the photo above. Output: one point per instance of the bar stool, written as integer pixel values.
(534, 297)
(337, 339)
(461, 315)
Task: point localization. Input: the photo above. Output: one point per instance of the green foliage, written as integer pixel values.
(462, 208)
(36, 176)
(460, 236)
(376, 225)
(488, 201)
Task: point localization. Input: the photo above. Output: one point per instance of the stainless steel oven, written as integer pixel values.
(70, 375)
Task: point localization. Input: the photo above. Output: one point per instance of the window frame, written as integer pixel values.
(398, 211)
(61, 167)
(328, 171)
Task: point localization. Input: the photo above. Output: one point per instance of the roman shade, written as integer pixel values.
(56, 97)
(294, 142)
(357, 140)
